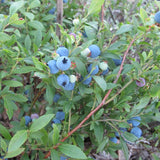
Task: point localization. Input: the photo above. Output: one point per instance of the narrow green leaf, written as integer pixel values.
(101, 82)
(4, 132)
(124, 148)
(17, 141)
(39, 65)
(38, 37)
(36, 25)
(4, 37)
(34, 4)
(28, 42)
(130, 137)
(17, 97)
(143, 15)
(29, 15)
(3, 144)
(55, 134)
(15, 6)
(95, 6)
(49, 94)
(12, 83)
(41, 122)
(143, 103)
(14, 153)
(155, 90)
(24, 69)
(54, 155)
(72, 151)
(125, 28)
(98, 131)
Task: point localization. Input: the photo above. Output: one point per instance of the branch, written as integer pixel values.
(99, 106)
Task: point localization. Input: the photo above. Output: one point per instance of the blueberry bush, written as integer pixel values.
(93, 88)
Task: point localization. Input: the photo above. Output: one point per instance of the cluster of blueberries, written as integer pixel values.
(134, 122)
(62, 62)
(29, 119)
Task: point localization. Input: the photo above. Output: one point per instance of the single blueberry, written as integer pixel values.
(117, 62)
(95, 51)
(121, 130)
(56, 121)
(62, 51)
(65, 1)
(157, 17)
(63, 80)
(56, 97)
(113, 139)
(60, 115)
(135, 121)
(27, 120)
(69, 87)
(105, 72)
(52, 11)
(63, 63)
(136, 131)
(94, 71)
(53, 67)
(87, 81)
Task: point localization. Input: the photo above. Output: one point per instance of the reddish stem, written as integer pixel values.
(99, 106)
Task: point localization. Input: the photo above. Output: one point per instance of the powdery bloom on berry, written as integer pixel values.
(63, 63)
(141, 82)
(63, 80)
(53, 67)
(95, 51)
(62, 51)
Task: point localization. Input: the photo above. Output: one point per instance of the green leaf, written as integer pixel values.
(38, 38)
(12, 83)
(29, 15)
(155, 90)
(3, 144)
(54, 155)
(4, 132)
(49, 94)
(124, 148)
(17, 97)
(14, 19)
(143, 15)
(98, 131)
(27, 42)
(39, 65)
(34, 4)
(36, 25)
(101, 82)
(14, 153)
(72, 151)
(17, 141)
(55, 134)
(40, 75)
(99, 114)
(102, 145)
(95, 6)
(111, 86)
(9, 104)
(24, 69)
(143, 103)
(4, 37)
(15, 6)
(41, 122)
(125, 28)
(130, 137)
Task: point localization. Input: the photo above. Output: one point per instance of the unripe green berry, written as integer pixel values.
(103, 66)
(85, 52)
(72, 78)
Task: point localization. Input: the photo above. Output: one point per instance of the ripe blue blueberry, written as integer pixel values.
(87, 81)
(2, 1)
(136, 131)
(62, 51)
(117, 62)
(63, 158)
(53, 67)
(63, 80)
(94, 71)
(63, 63)
(105, 72)
(27, 120)
(56, 97)
(65, 1)
(56, 121)
(135, 121)
(95, 51)
(2, 158)
(121, 130)
(113, 139)
(69, 87)
(52, 11)
(60, 115)
(157, 17)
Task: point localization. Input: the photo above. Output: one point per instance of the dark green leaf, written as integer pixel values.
(54, 155)
(124, 148)
(12, 83)
(55, 134)
(101, 82)
(98, 131)
(143, 103)
(28, 42)
(4, 132)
